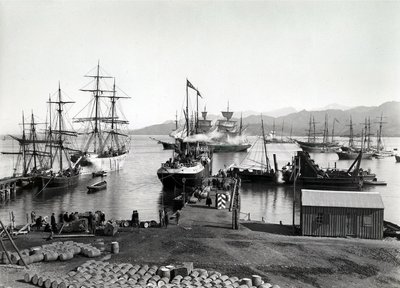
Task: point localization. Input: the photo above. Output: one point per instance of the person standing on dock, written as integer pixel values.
(177, 216)
(33, 217)
(66, 217)
(166, 220)
(208, 201)
(90, 222)
(53, 223)
(162, 216)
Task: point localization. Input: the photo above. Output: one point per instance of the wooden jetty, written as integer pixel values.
(8, 187)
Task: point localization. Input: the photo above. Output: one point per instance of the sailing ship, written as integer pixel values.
(190, 162)
(350, 152)
(62, 172)
(169, 145)
(305, 172)
(311, 145)
(229, 135)
(106, 145)
(31, 159)
(273, 139)
(380, 150)
(254, 168)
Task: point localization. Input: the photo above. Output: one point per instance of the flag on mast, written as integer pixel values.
(188, 84)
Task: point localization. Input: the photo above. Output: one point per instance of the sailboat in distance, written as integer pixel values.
(106, 142)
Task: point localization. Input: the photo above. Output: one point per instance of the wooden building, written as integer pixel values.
(341, 214)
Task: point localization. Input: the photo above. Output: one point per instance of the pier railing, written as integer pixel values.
(235, 204)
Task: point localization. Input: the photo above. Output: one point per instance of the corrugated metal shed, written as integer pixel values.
(347, 199)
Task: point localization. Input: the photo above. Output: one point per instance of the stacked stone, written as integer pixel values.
(104, 274)
(51, 252)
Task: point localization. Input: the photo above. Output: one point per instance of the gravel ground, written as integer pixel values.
(207, 240)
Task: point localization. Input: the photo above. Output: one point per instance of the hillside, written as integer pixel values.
(299, 121)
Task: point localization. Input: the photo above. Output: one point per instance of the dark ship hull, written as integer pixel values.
(253, 175)
(311, 176)
(173, 177)
(226, 148)
(348, 155)
(59, 181)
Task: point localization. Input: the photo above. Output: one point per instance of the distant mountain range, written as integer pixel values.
(298, 122)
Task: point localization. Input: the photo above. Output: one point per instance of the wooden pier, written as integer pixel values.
(8, 187)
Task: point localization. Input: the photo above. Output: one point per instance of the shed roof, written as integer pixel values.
(348, 199)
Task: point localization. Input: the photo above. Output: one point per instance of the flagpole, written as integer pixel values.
(197, 109)
(187, 109)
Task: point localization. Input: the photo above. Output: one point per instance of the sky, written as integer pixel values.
(260, 55)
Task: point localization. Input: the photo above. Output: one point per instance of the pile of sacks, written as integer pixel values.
(104, 274)
(51, 252)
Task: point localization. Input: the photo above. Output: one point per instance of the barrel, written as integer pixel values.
(28, 277)
(35, 279)
(246, 281)
(256, 280)
(165, 273)
(114, 247)
(50, 256)
(66, 256)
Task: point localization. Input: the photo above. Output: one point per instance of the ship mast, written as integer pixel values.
(60, 149)
(187, 108)
(379, 141)
(23, 145)
(351, 140)
(264, 145)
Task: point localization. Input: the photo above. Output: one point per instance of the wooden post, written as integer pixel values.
(4, 248)
(12, 242)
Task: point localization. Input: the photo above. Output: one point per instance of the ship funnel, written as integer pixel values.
(227, 114)
(204, 114)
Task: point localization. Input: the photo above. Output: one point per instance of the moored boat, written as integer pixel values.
(62, 172)
(228, 135)
(190, 162)
(306, 173)
(99, 173)
(107, 144)
(254, 168)
(97, 186)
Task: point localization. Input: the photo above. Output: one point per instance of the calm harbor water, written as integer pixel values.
(137, 187)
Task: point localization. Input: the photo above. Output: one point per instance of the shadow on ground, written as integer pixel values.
(269, 228)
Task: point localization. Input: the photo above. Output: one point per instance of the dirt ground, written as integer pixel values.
(205, 238)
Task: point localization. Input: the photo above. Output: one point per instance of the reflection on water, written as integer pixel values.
(137, 187)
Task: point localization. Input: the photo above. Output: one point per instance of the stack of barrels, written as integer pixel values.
(51, 252)
(104, 274)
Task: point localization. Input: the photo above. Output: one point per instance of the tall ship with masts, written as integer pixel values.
(61, 171)
(190, 163)
(31, 157)
(351, 151)
(312, 144)
(106, 142)
(228, 136)
(256, 165)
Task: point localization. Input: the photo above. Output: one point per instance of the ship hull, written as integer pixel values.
(63, 181)
(254, 175)
(226, 148)
(93, 163)
(397, 158)
(351, 183)
(167, 145)
(353, 155)
(193, 176)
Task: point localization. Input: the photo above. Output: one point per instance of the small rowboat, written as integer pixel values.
(99, 173)
(97, 186)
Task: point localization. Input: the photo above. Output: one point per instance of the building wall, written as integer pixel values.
(342, 222)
